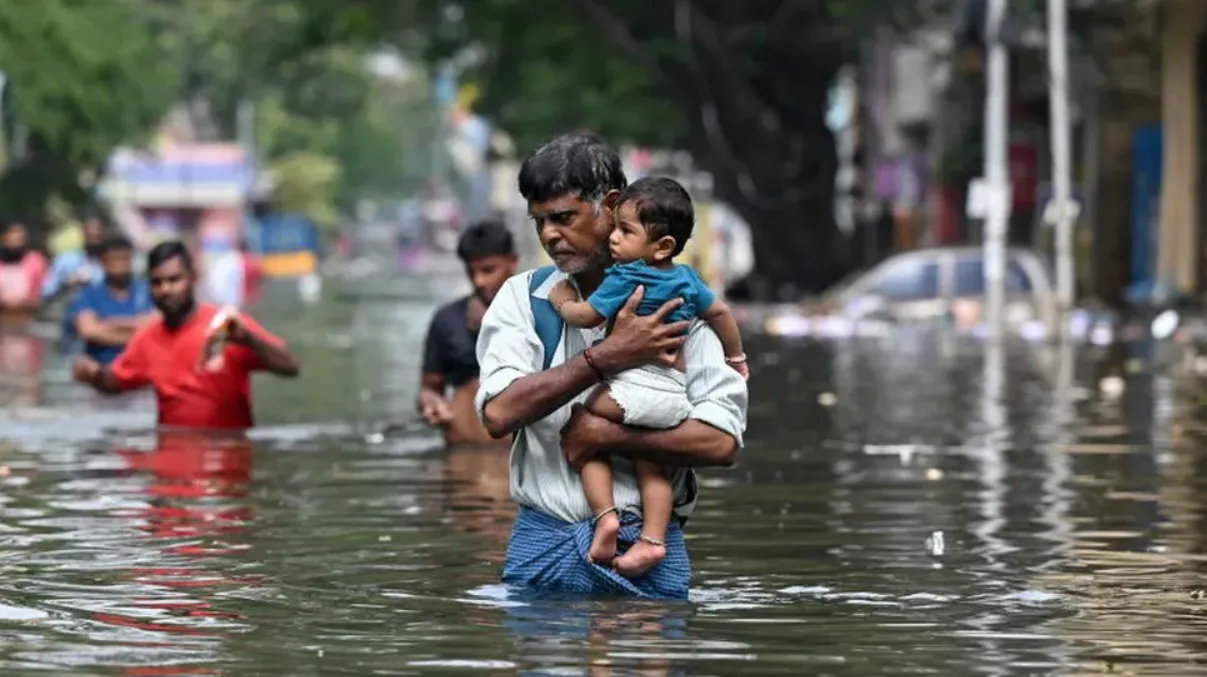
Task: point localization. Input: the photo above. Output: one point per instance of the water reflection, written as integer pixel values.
(1073, 518)
(21, 363)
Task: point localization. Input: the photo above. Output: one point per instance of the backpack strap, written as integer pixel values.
(548, 323)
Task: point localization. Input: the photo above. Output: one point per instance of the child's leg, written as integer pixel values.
(597, 486)
(657, 503)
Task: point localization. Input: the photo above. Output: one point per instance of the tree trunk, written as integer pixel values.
(782, 184)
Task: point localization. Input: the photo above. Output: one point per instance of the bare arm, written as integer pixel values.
(711, 435)
(535, 396)
(431, 403)
(580, 314)
(574, 311)
(692, 443)
(431, 385)
(720, 318)
(102, 379)
(102, 332)
(276, 358)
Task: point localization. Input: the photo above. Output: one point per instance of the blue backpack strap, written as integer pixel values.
(548, 323)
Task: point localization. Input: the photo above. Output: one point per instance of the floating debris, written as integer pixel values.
(935, 545)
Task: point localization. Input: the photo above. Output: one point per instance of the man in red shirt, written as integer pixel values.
(167, 353)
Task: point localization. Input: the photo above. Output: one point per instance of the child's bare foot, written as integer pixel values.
(603, 545)
(645, 554)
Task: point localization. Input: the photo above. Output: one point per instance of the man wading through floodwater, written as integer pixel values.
(536, 372)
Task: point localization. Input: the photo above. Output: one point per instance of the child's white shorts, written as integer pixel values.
(652, 396)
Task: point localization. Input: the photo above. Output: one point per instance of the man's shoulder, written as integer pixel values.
(92, 293)
(453, 311)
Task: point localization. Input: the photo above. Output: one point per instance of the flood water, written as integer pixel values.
(1071, 524)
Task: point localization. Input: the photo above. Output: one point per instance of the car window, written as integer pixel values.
(969, 277)
(910, 280)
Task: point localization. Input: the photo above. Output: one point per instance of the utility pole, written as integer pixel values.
(997, 176)
(1062, 213)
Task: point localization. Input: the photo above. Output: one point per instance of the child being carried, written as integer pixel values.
(654, 220)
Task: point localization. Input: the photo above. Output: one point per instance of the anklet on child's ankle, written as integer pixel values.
(603, 513)
(653, 541)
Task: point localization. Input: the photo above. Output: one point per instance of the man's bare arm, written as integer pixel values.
(100, 378)
(692, 443)
(95, 330)
(535, 396)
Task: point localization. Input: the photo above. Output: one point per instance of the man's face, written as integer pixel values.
(574, 232)
(93, 233)
(172, 288)
(118, 265)
(488, 273)
(15, 237)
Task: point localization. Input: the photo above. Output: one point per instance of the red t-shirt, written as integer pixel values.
(168, 360)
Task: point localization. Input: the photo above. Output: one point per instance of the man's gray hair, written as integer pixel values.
(578, 164)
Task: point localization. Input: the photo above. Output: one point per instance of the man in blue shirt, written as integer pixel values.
(76, 267)
(108, 311)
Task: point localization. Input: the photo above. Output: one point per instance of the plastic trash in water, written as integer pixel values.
(1165, 324)
(934, 544)
(1102, 335)
(310, 288)
(1112, 387)
(905, 452)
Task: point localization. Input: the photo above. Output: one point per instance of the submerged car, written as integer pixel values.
(946, 282)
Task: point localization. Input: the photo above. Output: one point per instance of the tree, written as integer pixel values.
(742, 86)
(81, 77)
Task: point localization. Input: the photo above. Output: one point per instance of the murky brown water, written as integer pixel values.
(1072, 526)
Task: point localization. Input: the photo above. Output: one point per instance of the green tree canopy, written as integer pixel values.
(81, 77)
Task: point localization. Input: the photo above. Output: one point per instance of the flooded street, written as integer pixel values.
(906, 505)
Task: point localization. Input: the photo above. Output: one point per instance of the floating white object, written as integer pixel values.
(310, 288)
(1112, 386)
(935, 544)
(1165, 324)
(827, 399)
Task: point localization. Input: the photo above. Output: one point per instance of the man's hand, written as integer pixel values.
(434, 409)
(636, 340)
(742, 368)
(78, 279)
(236, 331)
(585, 435)
(85, 369)
(562, 292)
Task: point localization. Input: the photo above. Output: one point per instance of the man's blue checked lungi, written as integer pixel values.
(549, 554)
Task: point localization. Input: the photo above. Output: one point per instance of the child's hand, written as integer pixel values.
(563, 292)
(743, 369)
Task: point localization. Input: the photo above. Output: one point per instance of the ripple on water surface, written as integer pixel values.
(1071, 526)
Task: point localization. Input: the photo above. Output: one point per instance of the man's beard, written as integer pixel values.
(174, 316)
(119, 281)
(12, 254)
(601, 259)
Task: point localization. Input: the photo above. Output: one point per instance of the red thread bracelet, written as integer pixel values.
(591, 363)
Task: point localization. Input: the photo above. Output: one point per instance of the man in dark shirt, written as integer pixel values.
(449, 359)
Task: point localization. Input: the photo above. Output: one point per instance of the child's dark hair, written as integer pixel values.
(663, 207)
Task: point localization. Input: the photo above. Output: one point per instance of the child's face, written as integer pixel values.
(630, 241)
